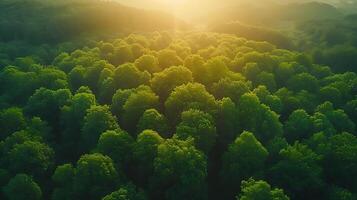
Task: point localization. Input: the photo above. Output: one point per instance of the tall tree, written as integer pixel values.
(180, 171)
(244, 158)
(200, 126)
(22, 186)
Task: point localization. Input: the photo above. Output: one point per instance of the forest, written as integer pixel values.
(107, 100)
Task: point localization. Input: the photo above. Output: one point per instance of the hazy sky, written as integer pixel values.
(194, 9)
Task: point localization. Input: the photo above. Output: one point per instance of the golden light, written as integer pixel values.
(173, 3)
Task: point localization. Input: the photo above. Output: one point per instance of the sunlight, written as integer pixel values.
(173, 3)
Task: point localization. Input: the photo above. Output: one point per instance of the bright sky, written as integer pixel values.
(195, 9)
(185, 9)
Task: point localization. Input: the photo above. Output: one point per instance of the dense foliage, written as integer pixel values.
(171, 114)
(176, 114)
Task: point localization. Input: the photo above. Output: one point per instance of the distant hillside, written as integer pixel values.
(56, 21)
(309, 11)
(273, 13)
(255, 33)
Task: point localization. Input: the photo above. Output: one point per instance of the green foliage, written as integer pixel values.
(230, 88)
(298, 126)
(158, 115)
(340, 193)
(340, 156)
(47, 104)
(128, 192)
(95, 176)
(22, 187)
(191, 95)
(31, 157)
(298, 171)
(244, 158)
(303, 81)
(338, 118)
(147, 63)
(11, 120)
(179, 170)
(63, 178)
(136, 105)
(117, 145)
(72, 120)
(164, 82)
(128, 76)
(260, 190)
(153, 120)
(168, 58)
(200, 126)
(97, 120)
(258, 118)
(265, 97)
(144, 152)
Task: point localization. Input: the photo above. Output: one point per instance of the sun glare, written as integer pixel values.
(173, 3)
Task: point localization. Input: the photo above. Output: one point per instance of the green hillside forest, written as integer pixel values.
(178, 100)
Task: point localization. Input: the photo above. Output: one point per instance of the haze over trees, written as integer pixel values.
(102, 101)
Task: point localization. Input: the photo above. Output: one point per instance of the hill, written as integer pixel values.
(48, 21)
(274, 14)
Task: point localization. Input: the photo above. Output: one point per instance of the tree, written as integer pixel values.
(153, 120)
(127, 192)
(164, 82)
(97, 120)
(18, 137)
(144, 152)
(136, 105)
(117, 145)
(76, 77)
(298, 171)
(265, 97)
(72, 120)
(47, 104)
(196, 65)
(93, 75)
(95, 176)
(244, 158)
(179, 171)
(11, 120)
(63, 179)
(200, 126)
(22, 187)
(337, 193)
(260, 190)
(119, 99)
(185, 97)
(147, 63)
(284, 71)
(303, 81)
(168, 58)
(351, 109)
(339, 119)
(122, 54)
(230, 88)
(267, 79)
(251, 70)
(31, 157)
(106, 90)
(216, 69)
(258, 118)
(331, 94)
(17, 85)
(128, 76)
(340, 160)
(227, 122)
(298, 126)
